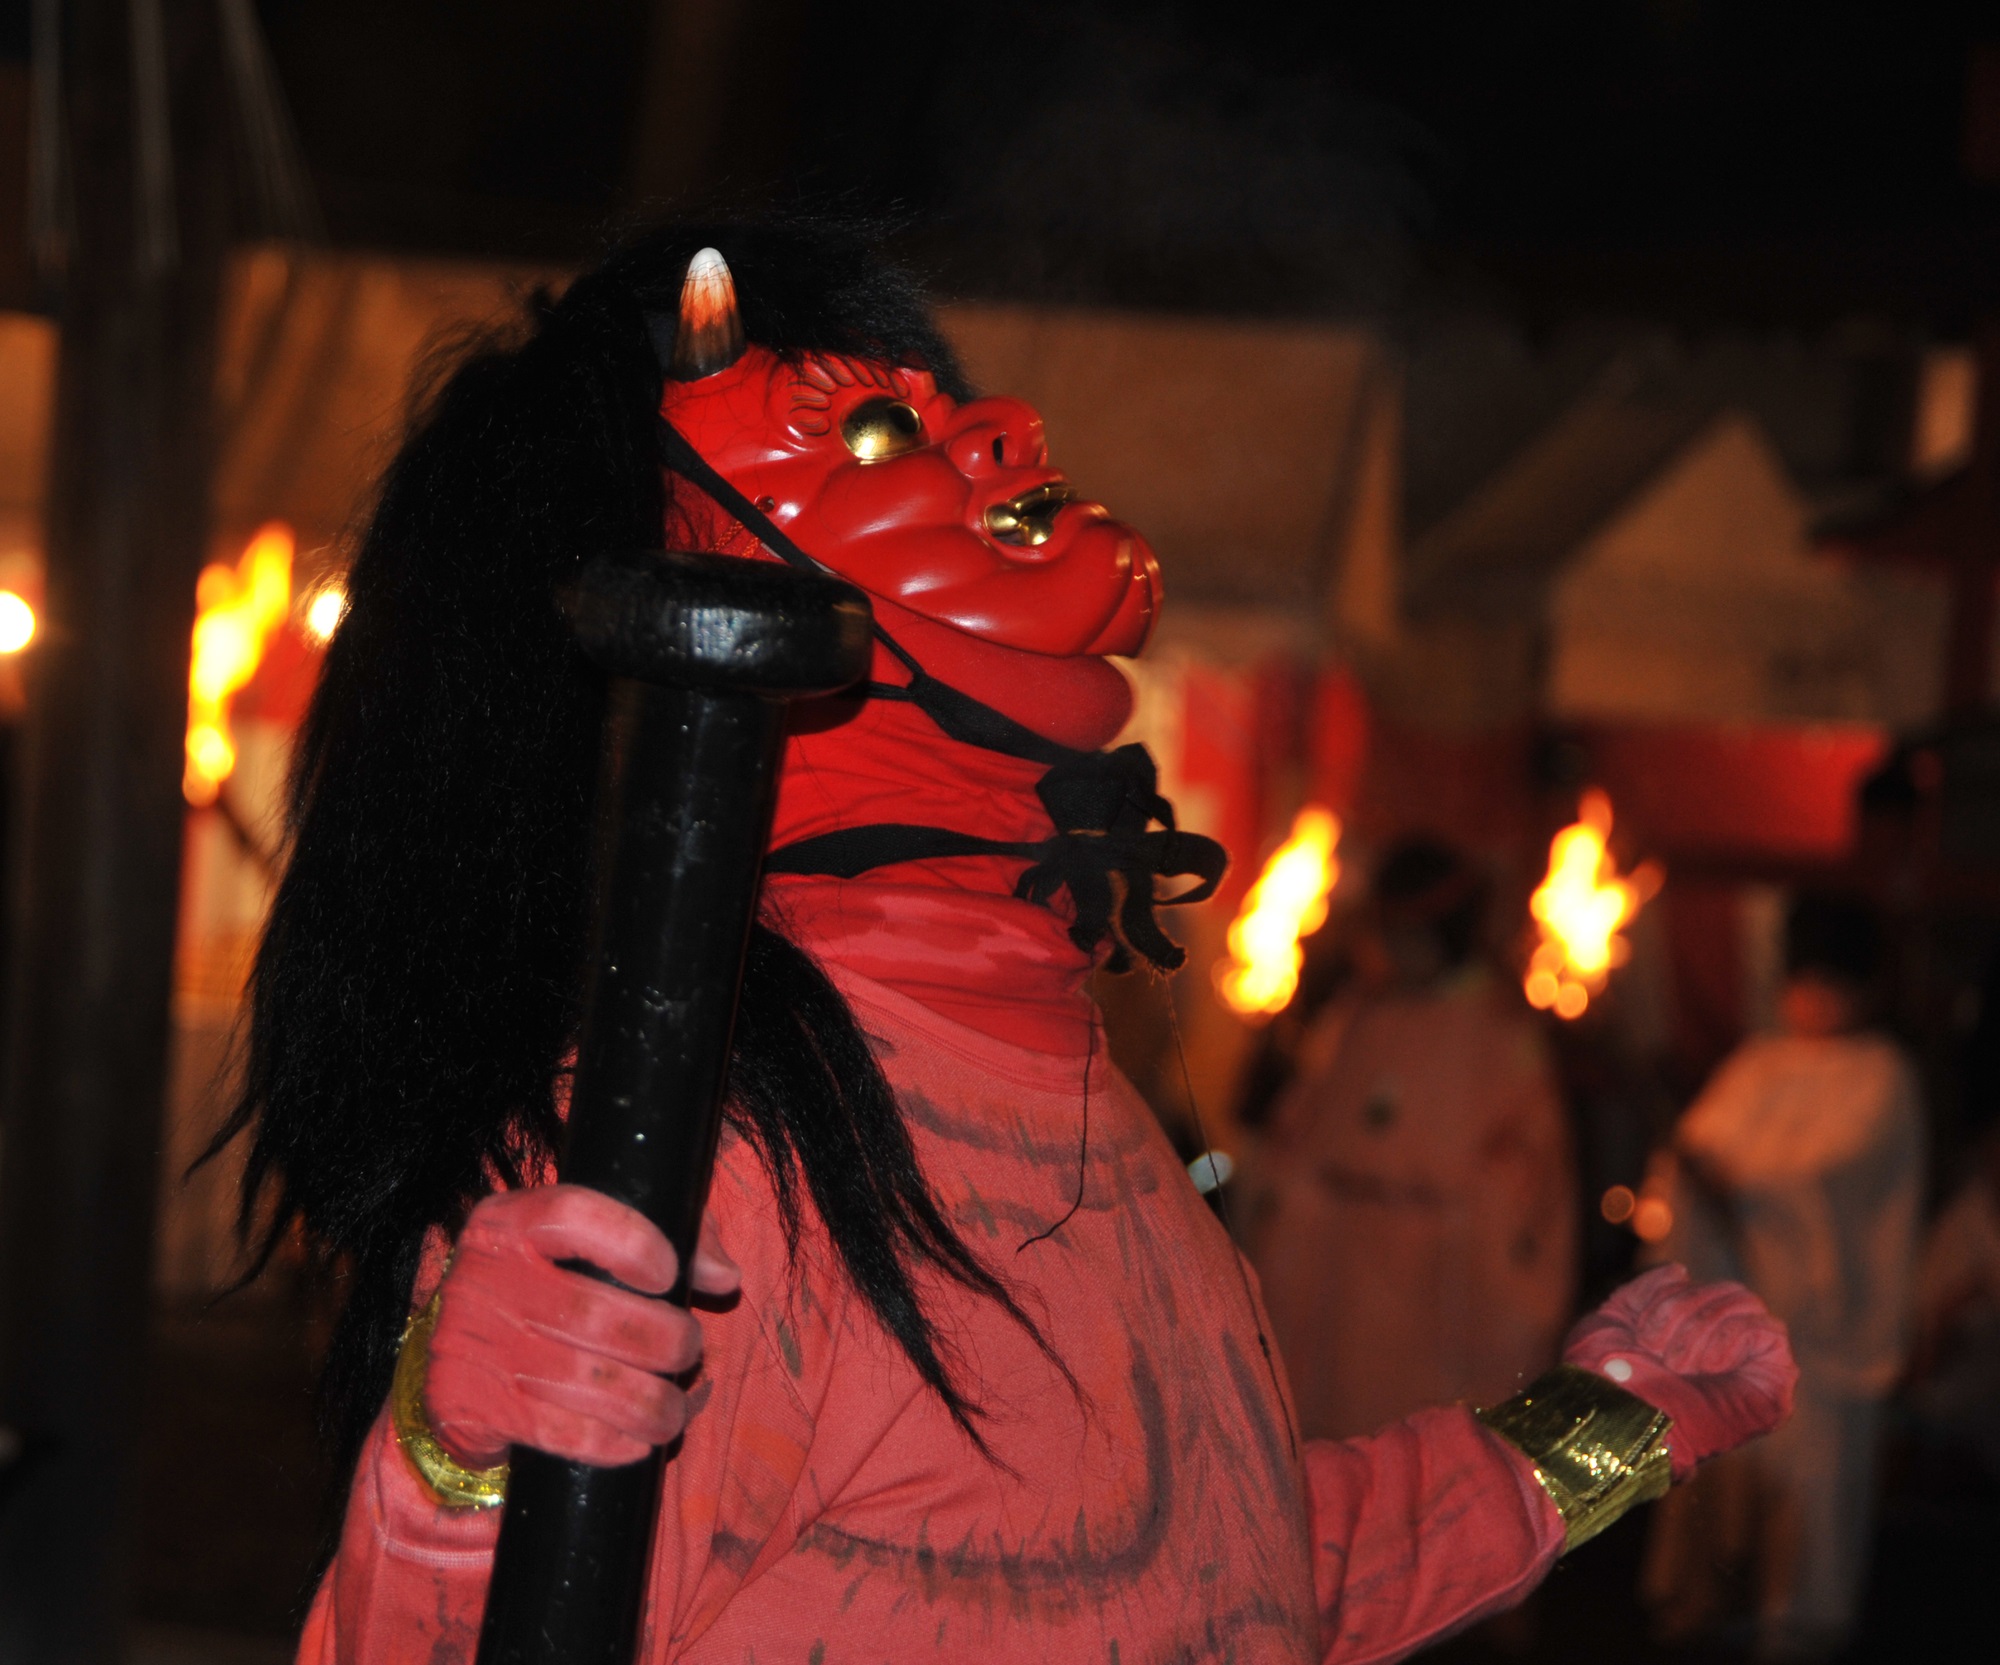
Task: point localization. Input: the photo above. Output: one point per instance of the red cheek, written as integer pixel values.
(786, 487)
(920, 561)
(921, 491)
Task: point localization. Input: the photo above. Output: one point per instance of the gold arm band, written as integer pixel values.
(1598, 1450)
(450, 1481)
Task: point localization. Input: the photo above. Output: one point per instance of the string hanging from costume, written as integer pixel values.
(1105, 805)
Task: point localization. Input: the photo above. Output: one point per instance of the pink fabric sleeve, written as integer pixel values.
(1420, 1530)
(408, 1585)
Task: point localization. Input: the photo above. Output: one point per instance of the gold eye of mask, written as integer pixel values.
(878, 428)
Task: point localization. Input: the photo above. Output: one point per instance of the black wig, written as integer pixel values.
(418, 984)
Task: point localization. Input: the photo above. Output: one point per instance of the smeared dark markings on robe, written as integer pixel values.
(1202, 1455)
(1215, 1642)
(1250, 1384)
(788, 1349)
(1211, 1442)
(1060, 1580)
(734, 1551)
(975, 1211)
(457, 1635)
(986, 1133)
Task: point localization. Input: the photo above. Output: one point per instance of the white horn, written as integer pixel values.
(710, 336)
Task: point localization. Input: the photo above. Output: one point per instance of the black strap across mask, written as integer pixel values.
(1104, 804)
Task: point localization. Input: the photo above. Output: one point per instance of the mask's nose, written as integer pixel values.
(989, 436)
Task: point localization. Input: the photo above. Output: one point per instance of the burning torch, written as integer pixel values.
(1580, 910)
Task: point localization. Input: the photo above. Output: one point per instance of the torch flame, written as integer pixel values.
(239, 607)
(17, 622)
(1580, 908)
(1287, 902)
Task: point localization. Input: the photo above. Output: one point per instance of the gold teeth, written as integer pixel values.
(1030, 517)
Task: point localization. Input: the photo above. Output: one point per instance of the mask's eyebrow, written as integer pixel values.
(814, 379)
(812, 397)
(822, 375)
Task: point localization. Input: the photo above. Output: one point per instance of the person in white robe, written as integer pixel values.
(1954, 1376)
(1800, 1172)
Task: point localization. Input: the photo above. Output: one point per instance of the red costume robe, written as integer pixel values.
(825, 1508)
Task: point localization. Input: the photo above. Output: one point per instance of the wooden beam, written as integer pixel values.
(95, 878)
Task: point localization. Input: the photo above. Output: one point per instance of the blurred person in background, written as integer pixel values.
(1799, 1171)
(1415, 1222)
(1954, 1376)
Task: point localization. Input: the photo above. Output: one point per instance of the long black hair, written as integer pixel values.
(418, 984)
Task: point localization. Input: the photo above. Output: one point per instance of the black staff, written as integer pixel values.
(704, 651)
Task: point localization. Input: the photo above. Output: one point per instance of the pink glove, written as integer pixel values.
(527, 1353)
(1708, 1354)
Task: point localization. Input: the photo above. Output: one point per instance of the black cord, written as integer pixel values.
(1082, 1150)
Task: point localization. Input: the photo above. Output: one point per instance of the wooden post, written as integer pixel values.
(95, 882)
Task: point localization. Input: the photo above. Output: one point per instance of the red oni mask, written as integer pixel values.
(990, 574)
(952, 511)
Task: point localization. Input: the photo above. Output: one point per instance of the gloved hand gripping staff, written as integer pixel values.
(704, 652)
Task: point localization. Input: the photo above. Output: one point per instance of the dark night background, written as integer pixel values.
(1775, 161)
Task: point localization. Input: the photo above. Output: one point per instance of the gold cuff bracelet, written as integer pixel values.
(449, 1481)
(1598, 1450)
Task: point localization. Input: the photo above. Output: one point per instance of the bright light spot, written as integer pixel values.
(17, 622)
(1212, 1170)
(1287, 902)
(211, 751)
(239, 607)
(324, 613)
(1652, 1219)
(1619, 1370)
(1617, 1204)
(1580, 907)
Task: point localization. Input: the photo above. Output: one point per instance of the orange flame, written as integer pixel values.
(1288, 901)
(239, 608)
(1580, 908)
(17, 621)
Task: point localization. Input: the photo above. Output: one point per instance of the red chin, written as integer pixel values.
(1078, 700)
(1131, 627)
